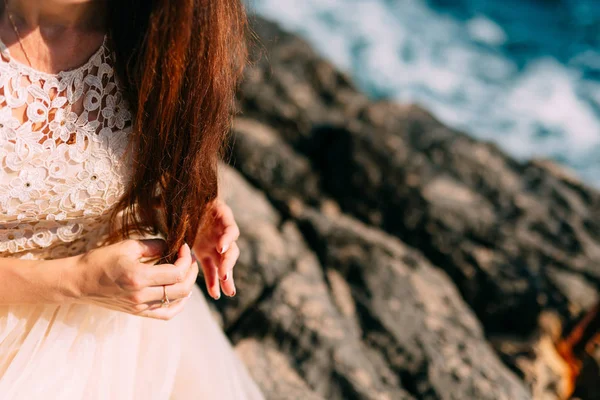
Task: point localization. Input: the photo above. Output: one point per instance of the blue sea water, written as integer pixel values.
(522, 73)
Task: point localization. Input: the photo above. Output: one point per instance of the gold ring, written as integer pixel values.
(165, 300)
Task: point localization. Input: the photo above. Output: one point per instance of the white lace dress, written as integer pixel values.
(63, 166)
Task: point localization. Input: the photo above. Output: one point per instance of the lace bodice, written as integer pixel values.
(63, 164)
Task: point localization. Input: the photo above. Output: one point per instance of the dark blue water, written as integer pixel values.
(562, 29)
(522, 73)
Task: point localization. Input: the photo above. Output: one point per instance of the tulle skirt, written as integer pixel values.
(87, 352)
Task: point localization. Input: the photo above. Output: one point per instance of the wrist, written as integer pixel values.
(65, 279)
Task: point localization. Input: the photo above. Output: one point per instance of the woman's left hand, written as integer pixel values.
(216, 249)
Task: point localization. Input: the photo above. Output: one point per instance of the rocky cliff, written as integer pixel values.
(387, 256)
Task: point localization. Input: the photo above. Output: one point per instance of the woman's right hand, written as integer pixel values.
(116, 277)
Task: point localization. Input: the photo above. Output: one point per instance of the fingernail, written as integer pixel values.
(189, 295)
(188, 246)
(224, 248)
(217, 297)
(225, 277)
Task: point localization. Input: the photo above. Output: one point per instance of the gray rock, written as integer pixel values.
(284, 302)
(272, 369)
(359, 313)
(370, 320)
(494, 224)
(411, 313)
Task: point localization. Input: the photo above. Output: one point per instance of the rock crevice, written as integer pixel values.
(387, 256)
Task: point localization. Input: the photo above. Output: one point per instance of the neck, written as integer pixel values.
(58, 14)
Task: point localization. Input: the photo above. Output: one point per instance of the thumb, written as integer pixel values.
(184, 255)
(151, 249)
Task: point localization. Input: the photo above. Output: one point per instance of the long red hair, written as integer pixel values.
(179, 63)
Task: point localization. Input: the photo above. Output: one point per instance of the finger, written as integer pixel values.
(151, 248)
(184, 255)
(164, 313)
(168, 274)
(216, 259)
(228, 261)
(209, 270)
(215, 256)
(174, 291)
(153, 305)
(228, 286)
(182, 289)
(230, 232)
(165, 274)
(157, 304)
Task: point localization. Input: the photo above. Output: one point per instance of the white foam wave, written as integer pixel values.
(406, 51)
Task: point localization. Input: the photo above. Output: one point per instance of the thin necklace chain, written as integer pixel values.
(12, 22)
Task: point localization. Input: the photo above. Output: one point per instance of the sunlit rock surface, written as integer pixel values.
(386, 256)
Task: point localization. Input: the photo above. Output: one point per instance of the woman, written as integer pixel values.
(112, 115)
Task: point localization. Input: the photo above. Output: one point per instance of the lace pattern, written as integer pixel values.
(63, 164)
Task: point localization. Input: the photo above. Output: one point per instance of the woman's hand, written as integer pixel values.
(120, 277)
(216, 249)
